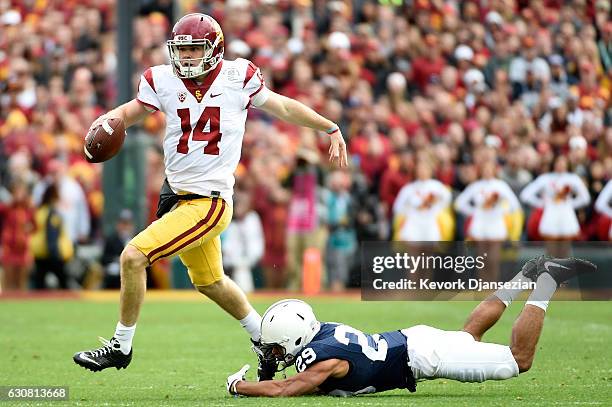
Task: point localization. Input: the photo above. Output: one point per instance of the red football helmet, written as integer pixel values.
(196, 29)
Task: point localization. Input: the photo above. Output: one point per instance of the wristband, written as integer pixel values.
(332, 129)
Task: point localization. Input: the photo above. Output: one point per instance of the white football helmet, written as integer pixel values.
(288, 326)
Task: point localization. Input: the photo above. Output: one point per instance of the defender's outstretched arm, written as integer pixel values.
(306, 382)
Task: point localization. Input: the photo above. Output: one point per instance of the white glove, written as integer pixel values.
(235, 378)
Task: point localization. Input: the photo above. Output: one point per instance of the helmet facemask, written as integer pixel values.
(276, 353)
(193, 67)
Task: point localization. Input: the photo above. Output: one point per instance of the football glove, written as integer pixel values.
(235, 378)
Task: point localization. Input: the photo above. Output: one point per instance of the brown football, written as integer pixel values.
(104, 141)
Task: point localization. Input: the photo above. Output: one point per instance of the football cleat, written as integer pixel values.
(267, 366)
(559, 269)
(109, 355)
(530, 268)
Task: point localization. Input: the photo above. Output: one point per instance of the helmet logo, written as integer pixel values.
(219, 31)
(183, 37)
(199, 95)
(181, 96)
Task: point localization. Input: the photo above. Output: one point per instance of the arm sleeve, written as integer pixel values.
(147, 94)
(582, 197)
(603, 203)
(463, 202)
(254, 86)
(529, 195)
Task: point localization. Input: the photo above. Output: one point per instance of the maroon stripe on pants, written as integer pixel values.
(193, 239)
(198, 225)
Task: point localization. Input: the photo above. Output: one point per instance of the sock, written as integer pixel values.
(545, 288)
(507, 295)
(252, 324)
(125, 334)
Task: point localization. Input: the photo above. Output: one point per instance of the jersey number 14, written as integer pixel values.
(213, 135)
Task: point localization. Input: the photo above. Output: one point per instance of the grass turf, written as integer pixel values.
(183, 352)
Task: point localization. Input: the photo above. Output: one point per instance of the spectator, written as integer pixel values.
(51, 245)
(559, 85)
(487, 201)
(17, 226)
(514, 172)
(427, 68)
(604, 44)
(604, 206)
(304, 221)
(271, 205)
(341, 243)
(393, 179)
(243, 243)
(527, 64)
(72, 205)
(559, 194)
(418, 206)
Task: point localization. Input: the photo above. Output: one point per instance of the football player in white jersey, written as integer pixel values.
(205, 99)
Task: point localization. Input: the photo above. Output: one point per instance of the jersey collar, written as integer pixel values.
(199, 90)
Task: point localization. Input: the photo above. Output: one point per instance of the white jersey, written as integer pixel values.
(205, 122)
(560, 194)
(421, 222)
(484, 200)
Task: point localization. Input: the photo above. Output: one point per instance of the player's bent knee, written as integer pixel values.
(523, 359)
(133, 259)
(524, 363)
(211, 289)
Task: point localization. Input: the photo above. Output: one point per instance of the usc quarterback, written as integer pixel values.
(205, 99)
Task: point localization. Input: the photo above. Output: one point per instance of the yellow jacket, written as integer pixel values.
(38, 244)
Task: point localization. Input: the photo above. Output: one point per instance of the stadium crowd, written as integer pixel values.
(472, 94)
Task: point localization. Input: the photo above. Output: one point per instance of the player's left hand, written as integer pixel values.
(235, 378)
(337, 149)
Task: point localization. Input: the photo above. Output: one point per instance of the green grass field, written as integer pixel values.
(183, 351)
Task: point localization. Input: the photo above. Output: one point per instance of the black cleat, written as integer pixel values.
(109, 355)
(266, 367)
(530, 268)
(559, 269)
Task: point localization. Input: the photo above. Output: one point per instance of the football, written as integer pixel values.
(104, 140)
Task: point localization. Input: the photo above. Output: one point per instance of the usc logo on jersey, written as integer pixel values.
(198, 95)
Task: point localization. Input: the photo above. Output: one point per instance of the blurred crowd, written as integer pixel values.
(494, 116)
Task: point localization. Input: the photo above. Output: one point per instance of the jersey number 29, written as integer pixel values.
(213, 135)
